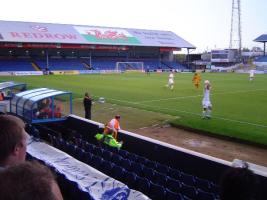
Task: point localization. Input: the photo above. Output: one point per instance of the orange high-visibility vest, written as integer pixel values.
(114, 125)
(1, 96)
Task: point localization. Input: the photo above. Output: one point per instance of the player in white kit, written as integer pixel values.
(207, 106)
(171, 81)
(251, 75)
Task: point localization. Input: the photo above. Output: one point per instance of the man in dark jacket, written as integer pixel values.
(87, 102)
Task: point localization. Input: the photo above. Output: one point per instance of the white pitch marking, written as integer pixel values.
(194, 96)
(197, 114)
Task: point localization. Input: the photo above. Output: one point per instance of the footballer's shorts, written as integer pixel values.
(171, 82)
(206, 104)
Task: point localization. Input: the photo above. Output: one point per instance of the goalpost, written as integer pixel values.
(123, 66)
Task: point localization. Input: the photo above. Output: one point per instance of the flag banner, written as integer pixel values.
(106, 35)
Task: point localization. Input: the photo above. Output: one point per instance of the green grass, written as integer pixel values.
(239, 106)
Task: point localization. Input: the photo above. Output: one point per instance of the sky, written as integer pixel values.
(204, 23)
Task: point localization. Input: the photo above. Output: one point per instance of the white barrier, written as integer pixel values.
(22, 73)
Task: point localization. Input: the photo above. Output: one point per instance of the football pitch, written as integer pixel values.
(239, 106)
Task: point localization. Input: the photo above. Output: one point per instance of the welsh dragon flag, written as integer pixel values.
(106, 35)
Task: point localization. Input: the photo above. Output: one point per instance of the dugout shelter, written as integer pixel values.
(42, 105)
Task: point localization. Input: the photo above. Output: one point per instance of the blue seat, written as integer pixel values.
(151, 164)
(54, 141)
(126, 164)
(96, 161)
(133, 157)
(186, 198)
(116, 159)
(142, 160)
(70, 149)
(107, 155)
(173, 184)
(79, 142)
(98, 151)
(62, 144)
(137, 168)
(169, 195)
(214, 188)
(106, 167)
(130, 179)
(80, 154)
(112, 149)
(189, 191)
(202, 195)
(124, 153)
(174, 173)
(187, 179)
(51, 139)
(159, 178)
(157, 192)
(164, 169)
(87, 158)
(202, 184)
(148, 173)
(143, 185)
(89, 147)
(118, 172)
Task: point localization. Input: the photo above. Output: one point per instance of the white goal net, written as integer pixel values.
(123, 66)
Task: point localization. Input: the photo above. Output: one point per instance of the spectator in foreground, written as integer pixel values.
(87, 103)
(13, 139)
(238, 184)
(29, 180)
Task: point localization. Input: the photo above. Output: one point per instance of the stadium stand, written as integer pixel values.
(261, 59)
(103, 64)
(154, 181)
(61, 64)
(261, 63)
(173, 65)
(17, 64)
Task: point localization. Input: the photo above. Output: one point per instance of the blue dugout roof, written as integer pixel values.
(34, 32)
(261, 38)
(10, 85)
(39, 94)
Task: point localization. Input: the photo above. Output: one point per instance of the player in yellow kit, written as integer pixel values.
(196, 80)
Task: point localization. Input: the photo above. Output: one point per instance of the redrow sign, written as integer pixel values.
(27, 35)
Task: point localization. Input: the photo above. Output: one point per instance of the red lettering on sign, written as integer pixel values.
(48, 35)
(70, 36)
(38, 35)
(59, 36)
(15, 34)
(27, 35)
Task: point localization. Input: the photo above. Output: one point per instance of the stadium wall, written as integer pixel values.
(191, 162)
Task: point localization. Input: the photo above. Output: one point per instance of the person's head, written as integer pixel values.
(29, 180)
(12, 140)
(118, 117)
(86, 94)
(207, 84)
(237, 184)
